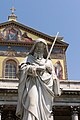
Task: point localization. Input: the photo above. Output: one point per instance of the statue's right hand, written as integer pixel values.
(22, 66)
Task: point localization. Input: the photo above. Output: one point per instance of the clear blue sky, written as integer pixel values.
(51, 16)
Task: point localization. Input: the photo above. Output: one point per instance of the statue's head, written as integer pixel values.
(40, 48)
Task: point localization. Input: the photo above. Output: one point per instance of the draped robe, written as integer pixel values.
(35, 94)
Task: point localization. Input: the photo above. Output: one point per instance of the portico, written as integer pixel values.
(65, 107)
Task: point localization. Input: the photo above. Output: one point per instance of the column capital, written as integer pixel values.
(74, 109)
(1, 108)
(53, 110)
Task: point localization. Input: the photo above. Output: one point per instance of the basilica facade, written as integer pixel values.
(16, 41)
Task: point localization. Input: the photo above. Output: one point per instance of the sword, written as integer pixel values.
(52, 47)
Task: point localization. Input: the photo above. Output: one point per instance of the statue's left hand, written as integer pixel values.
(32, 71)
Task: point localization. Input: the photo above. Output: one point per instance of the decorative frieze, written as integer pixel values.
(57, 56)
(13, 53)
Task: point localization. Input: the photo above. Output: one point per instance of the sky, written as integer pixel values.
(50, 17)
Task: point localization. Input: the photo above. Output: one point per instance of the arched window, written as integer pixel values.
(10, 69)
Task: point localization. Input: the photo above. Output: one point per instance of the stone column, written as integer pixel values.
(74, 113)
(0, 115)
(53, 110)
(1, 109)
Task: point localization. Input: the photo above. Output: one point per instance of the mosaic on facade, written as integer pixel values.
(12, 33)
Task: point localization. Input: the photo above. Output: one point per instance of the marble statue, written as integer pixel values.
(36, 79)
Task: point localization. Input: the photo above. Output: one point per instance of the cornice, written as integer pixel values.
(70, 87)
(12, 85)
(12, 43)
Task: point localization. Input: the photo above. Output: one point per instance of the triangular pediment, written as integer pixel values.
(13, 31)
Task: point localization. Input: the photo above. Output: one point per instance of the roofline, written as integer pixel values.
(24, 26)
(35, 32)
